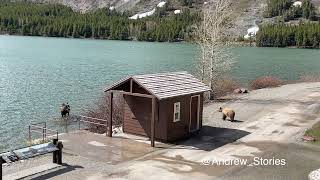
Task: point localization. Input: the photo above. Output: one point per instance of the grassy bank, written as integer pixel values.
(315, 133)
(227, 85)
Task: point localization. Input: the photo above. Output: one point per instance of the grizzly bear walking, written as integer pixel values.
(227, 112)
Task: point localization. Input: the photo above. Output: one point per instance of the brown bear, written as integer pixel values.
(227, 112)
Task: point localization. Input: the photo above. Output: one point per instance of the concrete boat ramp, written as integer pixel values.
(264, 142)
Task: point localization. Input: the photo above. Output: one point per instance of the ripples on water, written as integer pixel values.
(38, 74)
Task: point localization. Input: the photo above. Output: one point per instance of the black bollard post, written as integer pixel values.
(54, 153)
(59, 153)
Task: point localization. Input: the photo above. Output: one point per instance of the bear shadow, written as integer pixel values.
(237, 121)
(210, 138)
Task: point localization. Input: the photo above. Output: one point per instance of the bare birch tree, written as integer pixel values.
(211, 35)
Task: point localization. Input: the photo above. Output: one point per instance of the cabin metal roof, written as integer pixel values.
(166, 85)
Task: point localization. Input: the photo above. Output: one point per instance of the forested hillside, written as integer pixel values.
(297, 25)
(305, 35)
(289, 26)
(288, 11)
(61, 21)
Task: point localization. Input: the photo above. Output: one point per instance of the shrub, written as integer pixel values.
(240, 39)
(102, 111)
(277, 7)
(314, 132)
(265, 82)
(225, 86)
(310, 78)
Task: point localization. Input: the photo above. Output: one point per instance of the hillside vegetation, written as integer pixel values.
(164, 25)
(288, 11)
(296, 26)
(61, 21)
(281, 24)
(304, 35)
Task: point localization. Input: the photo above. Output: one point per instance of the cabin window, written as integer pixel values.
(176, 115)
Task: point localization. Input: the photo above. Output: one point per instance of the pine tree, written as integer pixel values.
(60, 21)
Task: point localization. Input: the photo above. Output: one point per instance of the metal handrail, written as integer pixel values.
(81, 119)
(94, 123)
(45, 131)
(39, 127)
(34, 123)
(36, 131)
(51, 130)
(93, 118)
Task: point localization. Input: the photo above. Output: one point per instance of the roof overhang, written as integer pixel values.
(165, 85)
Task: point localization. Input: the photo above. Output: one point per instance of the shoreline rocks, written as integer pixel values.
(314, 175)
(308, 139)
(240, 91)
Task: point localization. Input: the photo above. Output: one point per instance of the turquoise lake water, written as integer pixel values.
(37, 74)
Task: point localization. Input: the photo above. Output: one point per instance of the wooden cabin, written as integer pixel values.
(164, 106)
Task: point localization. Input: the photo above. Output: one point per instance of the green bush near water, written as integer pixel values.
(60, 21)
(314, 132)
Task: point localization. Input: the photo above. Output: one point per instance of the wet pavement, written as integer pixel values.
(300, 160)
(269, 124)
(99, 147)
(87, 155)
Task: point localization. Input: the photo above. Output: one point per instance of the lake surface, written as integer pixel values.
(38, 74)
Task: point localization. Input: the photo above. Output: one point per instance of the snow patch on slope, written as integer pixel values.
(142, 15)
(161, 4)
(251, 32)
(297, 4)
(149, 13)
(177, 11)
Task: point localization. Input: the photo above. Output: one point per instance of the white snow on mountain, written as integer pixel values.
(142, 15)
(297, 4)
(161, 4)
(177, 11)
(149, 13)
(251, 32)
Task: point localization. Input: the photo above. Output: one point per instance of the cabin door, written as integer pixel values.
(194, 113)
